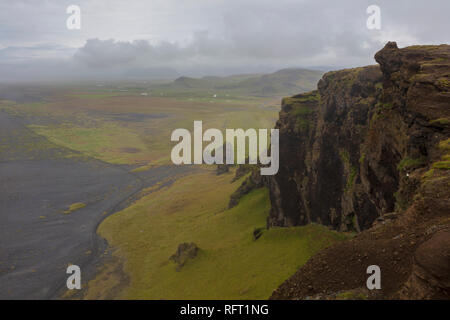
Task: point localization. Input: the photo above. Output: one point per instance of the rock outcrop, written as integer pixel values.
(369, 151)
(347, 151)
(253, 181)
(184, 252)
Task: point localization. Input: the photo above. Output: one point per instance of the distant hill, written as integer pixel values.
(281, 83)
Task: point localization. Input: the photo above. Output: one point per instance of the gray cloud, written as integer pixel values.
(204, 37)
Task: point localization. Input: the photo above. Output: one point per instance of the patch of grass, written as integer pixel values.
(362, 157)
(443, 82)
(351, 295)
(423, 47)
(408, 162)
(130, 129)
(108, 142)
(301, 124)
(299, 111)
(441, 121)
(143, 168)
(230, 264)
(442, 165)
(345, 156)
(300, 100)
(351, 178)
(74, 207)
(429, 174)
(384, 106)
(445, 145)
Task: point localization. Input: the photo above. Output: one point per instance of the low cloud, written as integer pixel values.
(210, 38)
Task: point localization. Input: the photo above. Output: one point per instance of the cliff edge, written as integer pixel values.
(369, 152)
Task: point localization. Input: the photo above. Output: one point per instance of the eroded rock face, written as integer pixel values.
(347, 150)
(372, 154)
(430, 277)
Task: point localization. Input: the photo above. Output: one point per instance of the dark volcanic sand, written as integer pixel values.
(37, 240)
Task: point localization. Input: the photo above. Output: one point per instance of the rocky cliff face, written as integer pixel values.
(348, 150)
(369, 151)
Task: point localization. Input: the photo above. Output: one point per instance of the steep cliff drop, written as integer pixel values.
(369, 151)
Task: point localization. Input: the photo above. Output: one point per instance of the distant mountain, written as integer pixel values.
(284, 82)
(281, 83)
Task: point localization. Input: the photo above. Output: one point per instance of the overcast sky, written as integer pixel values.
(136, 38)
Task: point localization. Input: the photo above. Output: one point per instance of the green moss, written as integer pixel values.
(444, 145)
(442, 165)
(362, 158)
(345, 157)
(384, 105)
(351, 178)
(408, 162)
(301, 111)
(301, 124)
(309, 97)
(443, 82)
(423, 47)
(429, 174)
(441, 121)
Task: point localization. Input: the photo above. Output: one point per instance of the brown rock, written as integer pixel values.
(184, 252)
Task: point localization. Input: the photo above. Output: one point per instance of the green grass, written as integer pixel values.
(409, 162)
(441, 121)
(362, 157)
(345, 156)
(445, 145)
(443, 165)
(351, 295)
(107, 142)
(299, 111)
(74, 207)
(230, 264)
(96, 128)
(301, 124)
(351, 178)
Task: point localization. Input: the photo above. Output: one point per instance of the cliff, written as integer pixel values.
(348, 151)
(369, 151)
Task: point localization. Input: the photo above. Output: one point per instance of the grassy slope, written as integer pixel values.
(230, 265)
